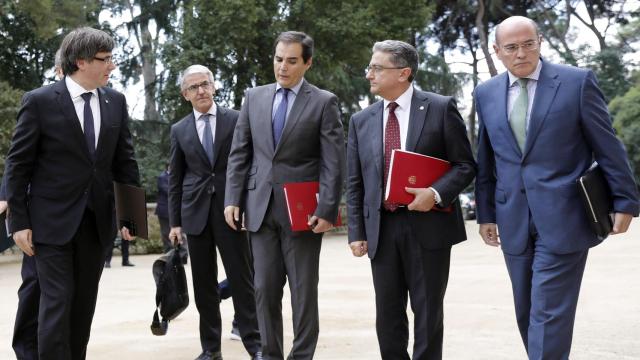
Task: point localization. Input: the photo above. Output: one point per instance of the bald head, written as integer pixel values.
(515, 23)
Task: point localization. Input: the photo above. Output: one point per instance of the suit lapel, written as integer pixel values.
(546, 90)
(374, 129)
(417, 118)
(222, 130)
(503, 116)
(105, 118)
(69, 110)
(299, 104)
(264, 110)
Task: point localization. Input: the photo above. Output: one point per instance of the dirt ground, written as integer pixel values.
(479, 316)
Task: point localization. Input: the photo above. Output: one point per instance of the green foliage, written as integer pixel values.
(435, 76)
(626, 112)
(611, 72)
(10, 100)
(151, 144)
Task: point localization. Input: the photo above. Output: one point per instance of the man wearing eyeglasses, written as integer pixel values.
(289, 131)
(200, 144)
(70, 143)
(409, 246)
(541, 127)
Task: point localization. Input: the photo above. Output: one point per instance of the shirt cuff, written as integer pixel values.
(437, 195)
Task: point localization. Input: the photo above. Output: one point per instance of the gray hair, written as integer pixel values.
(516, 18)
(83, 44)
(194, 69)
(402, 54)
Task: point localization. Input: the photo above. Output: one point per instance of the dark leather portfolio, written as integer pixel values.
(131, 209)
(596, 196)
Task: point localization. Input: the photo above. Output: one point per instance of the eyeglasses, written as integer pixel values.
(379, 68)
(205, 85)
(526, 46)
(107, 60)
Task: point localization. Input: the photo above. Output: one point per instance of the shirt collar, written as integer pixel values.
(75, 89)
(295, 89)
(212, 112)
(403, 101)
(533, 76)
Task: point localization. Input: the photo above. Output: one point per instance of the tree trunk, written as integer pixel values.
(148, 73)
(484, 42)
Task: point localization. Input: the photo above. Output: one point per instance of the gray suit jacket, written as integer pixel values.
(311, 149)
(192, 180)
(435, 129)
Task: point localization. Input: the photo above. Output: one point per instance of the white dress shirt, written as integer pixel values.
(514, 91)
(200, 122)
(76, 91)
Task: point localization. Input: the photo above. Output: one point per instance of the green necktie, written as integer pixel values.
(518, 118)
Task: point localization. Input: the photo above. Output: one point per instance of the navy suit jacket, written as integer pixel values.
(50, 174)
(192, 180)
(569, 127)
(162, 201)
(435, 129)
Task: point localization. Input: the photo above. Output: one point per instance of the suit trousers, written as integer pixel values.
(69, 275)
(25, 332)
(280, 254)
(402, 266)
(545, 292)
(236, 259)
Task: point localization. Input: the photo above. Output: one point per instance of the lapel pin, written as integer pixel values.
(421, 107)
(106, 101)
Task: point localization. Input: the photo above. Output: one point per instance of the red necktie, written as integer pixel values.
(392, 141)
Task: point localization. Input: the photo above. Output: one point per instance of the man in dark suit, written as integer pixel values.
(200, 144)
(162, 208)
(410, 246)
(541, 127)
(287, 132)
(71, 141)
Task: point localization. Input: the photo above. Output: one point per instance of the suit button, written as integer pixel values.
(522, 191)
(213, 175)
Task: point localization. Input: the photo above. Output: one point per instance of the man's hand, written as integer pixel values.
(232, 216)
(3, 206)
(125, 234)
(23, 240)
(425, 199)
(175, 235)
(319, 225)
(489, 233)
(359, 248)
(621, 222)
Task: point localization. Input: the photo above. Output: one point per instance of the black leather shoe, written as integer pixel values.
(210, 355)
(257, 356)
(128, 264)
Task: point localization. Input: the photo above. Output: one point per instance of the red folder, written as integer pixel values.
(302, 201)
(409, 169)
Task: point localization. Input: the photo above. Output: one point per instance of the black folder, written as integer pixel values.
(596, 196)
(5, 240)
(131, 209)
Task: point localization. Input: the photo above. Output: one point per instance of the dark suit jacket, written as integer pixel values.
(49, 153)
(569, 127)
(435, 129)
(311, 149)
(192, 180)
(162, 201)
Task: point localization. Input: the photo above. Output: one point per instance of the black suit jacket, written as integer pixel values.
(435, 129)
(49, 153)
(193, 180)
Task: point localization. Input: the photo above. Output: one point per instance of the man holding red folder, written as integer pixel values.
(287, 132)
(409, 246)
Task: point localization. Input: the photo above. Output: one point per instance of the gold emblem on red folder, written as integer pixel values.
(299, 206)
(412, 179)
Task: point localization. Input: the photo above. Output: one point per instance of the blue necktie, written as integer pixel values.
(207, 139)
(89, 132)
(280, 117)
